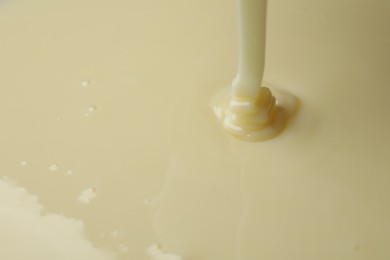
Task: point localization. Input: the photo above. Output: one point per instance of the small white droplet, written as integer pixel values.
(122, 249)
(87, 196)
(53, 167)
(24, 163)
(59, 118)
(69, 172)
(85, 83)
(92, 108)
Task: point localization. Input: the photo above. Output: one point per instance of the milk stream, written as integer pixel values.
(253, 113)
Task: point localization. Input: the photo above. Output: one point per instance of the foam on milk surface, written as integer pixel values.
(54, 167)
(28, 232)
(87, 195)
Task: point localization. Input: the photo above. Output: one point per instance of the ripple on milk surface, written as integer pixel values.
(26, 233)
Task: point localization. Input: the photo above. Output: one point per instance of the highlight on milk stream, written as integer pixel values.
(29, 233)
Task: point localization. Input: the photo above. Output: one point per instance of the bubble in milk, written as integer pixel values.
(69, 172)
(85, 83)
(87, 196)
(23, 163)
(54, 167)
(91, 109)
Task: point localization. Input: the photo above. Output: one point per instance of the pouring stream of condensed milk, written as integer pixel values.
(254, 113)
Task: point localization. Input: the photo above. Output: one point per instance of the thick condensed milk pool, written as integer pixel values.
(110, 148)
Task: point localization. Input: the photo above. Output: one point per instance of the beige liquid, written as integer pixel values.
(251, 37)
(105, 117)
(251, 112)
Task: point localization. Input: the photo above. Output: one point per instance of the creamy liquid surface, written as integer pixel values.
(106, 118)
